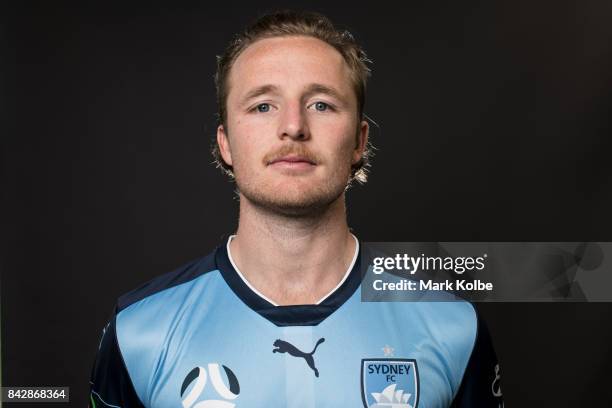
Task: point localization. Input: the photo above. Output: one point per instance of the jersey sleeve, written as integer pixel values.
(110, 383)
(480, 386)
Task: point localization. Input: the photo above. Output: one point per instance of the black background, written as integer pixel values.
(494, 125)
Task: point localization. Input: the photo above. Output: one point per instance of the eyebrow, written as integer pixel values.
(310, 90)
(260, 90)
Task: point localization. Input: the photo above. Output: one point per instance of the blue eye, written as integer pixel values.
(263, 107)
(321, 106)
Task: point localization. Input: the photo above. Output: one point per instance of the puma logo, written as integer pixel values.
(285, 347)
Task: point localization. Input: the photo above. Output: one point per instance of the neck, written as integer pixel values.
(293, 260)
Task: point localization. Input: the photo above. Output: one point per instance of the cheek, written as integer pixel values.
(346, 143)
(247, 146)
(243, 154)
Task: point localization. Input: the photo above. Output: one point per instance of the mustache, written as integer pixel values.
(293, 150)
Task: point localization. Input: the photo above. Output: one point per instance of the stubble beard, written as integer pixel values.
(295, 204)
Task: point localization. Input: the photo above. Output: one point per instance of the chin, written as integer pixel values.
(303, 209)
(294, 202)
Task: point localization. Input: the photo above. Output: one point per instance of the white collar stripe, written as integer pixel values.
(261, 295)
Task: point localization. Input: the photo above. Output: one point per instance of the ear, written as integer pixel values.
(224, 147)
(362, 141)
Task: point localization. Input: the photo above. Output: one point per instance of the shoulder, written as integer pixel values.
(480, 379)
(169, 281)
(454, 324)
(144, 314)
(462, 338)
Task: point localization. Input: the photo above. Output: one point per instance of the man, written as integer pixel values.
(273, 316)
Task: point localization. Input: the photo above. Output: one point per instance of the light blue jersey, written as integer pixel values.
(202, 337)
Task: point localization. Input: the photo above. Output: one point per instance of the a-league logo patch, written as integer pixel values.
(389, 383)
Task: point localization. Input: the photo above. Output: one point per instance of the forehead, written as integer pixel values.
(289, 62)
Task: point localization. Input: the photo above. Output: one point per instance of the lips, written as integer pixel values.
(292, 159)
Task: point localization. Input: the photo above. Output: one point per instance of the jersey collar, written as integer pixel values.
(294, 315)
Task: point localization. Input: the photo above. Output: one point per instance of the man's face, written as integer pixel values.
(292, 128)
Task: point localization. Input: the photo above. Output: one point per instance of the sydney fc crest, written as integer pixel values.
(389, 383)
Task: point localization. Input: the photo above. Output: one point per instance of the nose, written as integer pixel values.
(294, 123)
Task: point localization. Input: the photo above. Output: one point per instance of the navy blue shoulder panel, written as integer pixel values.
(480, 386)
(183, 274)
(110, 383)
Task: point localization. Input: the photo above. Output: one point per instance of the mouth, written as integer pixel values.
(292, 159)
(292, 163)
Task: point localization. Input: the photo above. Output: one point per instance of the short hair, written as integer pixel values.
(290, 23)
